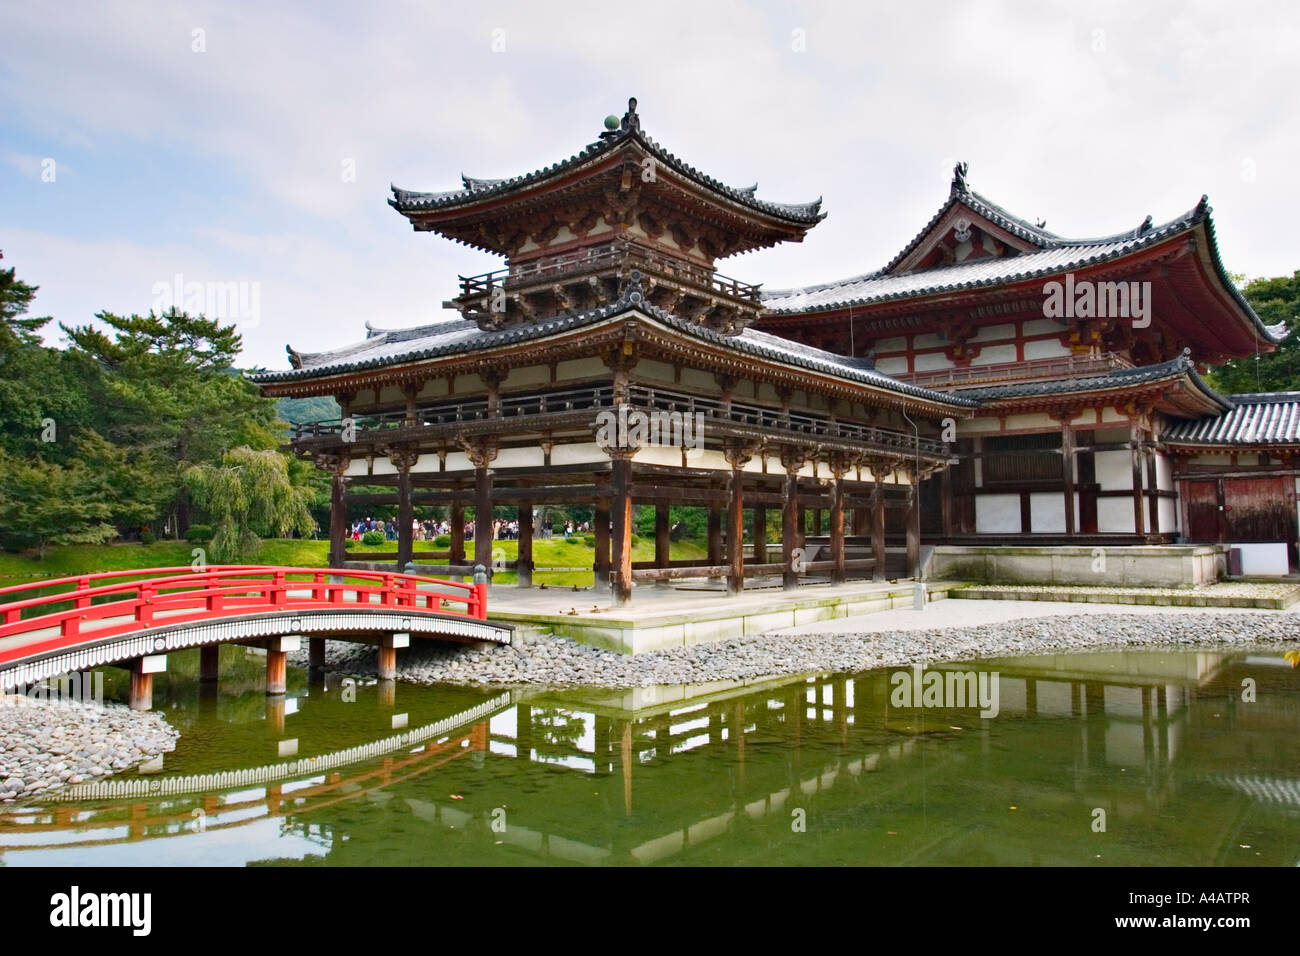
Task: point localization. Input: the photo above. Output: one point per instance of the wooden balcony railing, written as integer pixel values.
(639, 397)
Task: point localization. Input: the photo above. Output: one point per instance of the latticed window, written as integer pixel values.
(1016, 459)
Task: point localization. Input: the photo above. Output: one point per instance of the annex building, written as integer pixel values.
(994, 384)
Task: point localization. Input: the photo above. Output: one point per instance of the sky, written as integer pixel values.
(152, 151)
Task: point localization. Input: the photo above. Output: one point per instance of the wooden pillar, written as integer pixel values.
(878, 474)
(523, 732)
(760, 534)
(836, 529)
(621, 543)
(715, 536)
(791, 514)
(663, 538)
(945, 500)
(1153, 490)
(913, 523)
(405, 509)
(601, 566)
(1067, 471)
(817, 522)
(524, 568)
(457, 555)
(338, 516)
(210, 662)
(737, 457)
(482, 454)
(1135, 443)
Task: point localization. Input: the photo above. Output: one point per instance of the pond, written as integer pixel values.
(1147, 758)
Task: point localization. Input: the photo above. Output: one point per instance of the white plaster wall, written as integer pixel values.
(1047, 512)
(573, 454)
(993, 332)
(1045, 348)
(896, 344)
(892, 366)
(519, 458)
(997, 514)
(578, 369)
(694, 377)
(1114, 470)
(659, 455)
(992, 355)
(1169, 515)
(458, 461)
(929, 340)
(931, 360)
(532, 375)
(1038, 421)
(1041, 327)
(469, 385)
(1115, 514)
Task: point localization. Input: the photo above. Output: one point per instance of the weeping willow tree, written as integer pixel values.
(247, 496)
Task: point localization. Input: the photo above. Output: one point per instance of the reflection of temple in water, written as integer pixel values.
(823, 769)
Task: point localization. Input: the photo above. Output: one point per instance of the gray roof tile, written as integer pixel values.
(1257, 419)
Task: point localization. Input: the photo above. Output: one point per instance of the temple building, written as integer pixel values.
(995, 383)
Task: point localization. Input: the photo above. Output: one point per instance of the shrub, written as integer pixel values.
(373, 538)
(198, 533)
(148, 537)
(574, 540)
(589, 540)
(636, 539)
(443, 541)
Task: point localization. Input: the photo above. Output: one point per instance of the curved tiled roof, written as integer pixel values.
(1054, 255)
(1256, 419)
(1061, 255)
(1118, 378)
(462, 336)
(406, 200)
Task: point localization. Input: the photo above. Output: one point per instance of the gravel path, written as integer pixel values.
(560, 662)
(47, 744)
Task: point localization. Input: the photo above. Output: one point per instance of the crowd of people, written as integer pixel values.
(429, 529)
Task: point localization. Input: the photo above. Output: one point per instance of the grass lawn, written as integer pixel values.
(89, 559)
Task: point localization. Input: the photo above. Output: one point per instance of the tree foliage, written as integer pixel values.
(248, 495)
(1274, 301)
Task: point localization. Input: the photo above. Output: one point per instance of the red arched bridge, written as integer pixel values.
(134, 618)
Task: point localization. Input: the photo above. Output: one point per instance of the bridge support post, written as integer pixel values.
(277, 661)
(142, 671)
(316, 654)
(210, 662)
(388, 645)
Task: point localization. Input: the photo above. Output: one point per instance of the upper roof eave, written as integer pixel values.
(756, 344)
(478, 190)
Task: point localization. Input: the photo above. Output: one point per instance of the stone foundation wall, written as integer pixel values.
(1165, 566)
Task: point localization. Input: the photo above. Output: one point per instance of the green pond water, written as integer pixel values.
(1133, 758)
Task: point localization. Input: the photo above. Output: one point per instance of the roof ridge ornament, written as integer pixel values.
(959, 187)
(630, 120)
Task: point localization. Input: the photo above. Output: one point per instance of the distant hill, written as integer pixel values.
(316, 409)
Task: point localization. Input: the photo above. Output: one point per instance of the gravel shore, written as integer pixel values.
(47, 744)
(561, 662)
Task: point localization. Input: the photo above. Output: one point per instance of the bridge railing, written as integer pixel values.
(119, 602)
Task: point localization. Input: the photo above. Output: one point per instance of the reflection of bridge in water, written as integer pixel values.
(716, 773)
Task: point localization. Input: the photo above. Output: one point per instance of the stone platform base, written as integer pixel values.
(1149, 566)
(665, 618)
